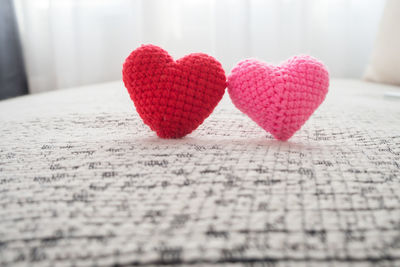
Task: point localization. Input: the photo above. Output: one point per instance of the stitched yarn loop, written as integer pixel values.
(281, 98)
(173, 97)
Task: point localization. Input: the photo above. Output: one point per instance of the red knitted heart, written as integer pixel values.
(173, 97)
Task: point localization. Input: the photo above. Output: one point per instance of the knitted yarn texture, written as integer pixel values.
(281, 98)
(173, 97)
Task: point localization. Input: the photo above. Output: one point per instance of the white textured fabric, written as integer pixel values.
(84, 183)
(384, 65)
(68, 43)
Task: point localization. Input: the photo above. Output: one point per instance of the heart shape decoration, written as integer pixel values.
(281, 98)
(173, 97)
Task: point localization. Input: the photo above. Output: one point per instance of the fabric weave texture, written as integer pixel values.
(279, 98)
(83, 184)
(173, 97)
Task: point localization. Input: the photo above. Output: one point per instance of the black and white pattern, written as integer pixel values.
(84, 183)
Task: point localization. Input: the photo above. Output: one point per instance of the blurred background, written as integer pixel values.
(51, 44)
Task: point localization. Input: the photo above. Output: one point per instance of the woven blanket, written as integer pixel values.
(83, 182)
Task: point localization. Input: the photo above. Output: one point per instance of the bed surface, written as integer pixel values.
(84, 183)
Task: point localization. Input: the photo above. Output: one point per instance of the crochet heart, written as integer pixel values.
(279, 98)
(173, 97)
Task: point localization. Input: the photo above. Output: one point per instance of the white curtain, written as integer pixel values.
(74, 42)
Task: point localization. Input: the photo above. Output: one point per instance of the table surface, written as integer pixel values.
(84, 182)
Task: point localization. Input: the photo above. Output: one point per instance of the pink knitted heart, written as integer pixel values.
(279, 98)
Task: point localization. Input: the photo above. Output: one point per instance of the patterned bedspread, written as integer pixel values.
(84, 183)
